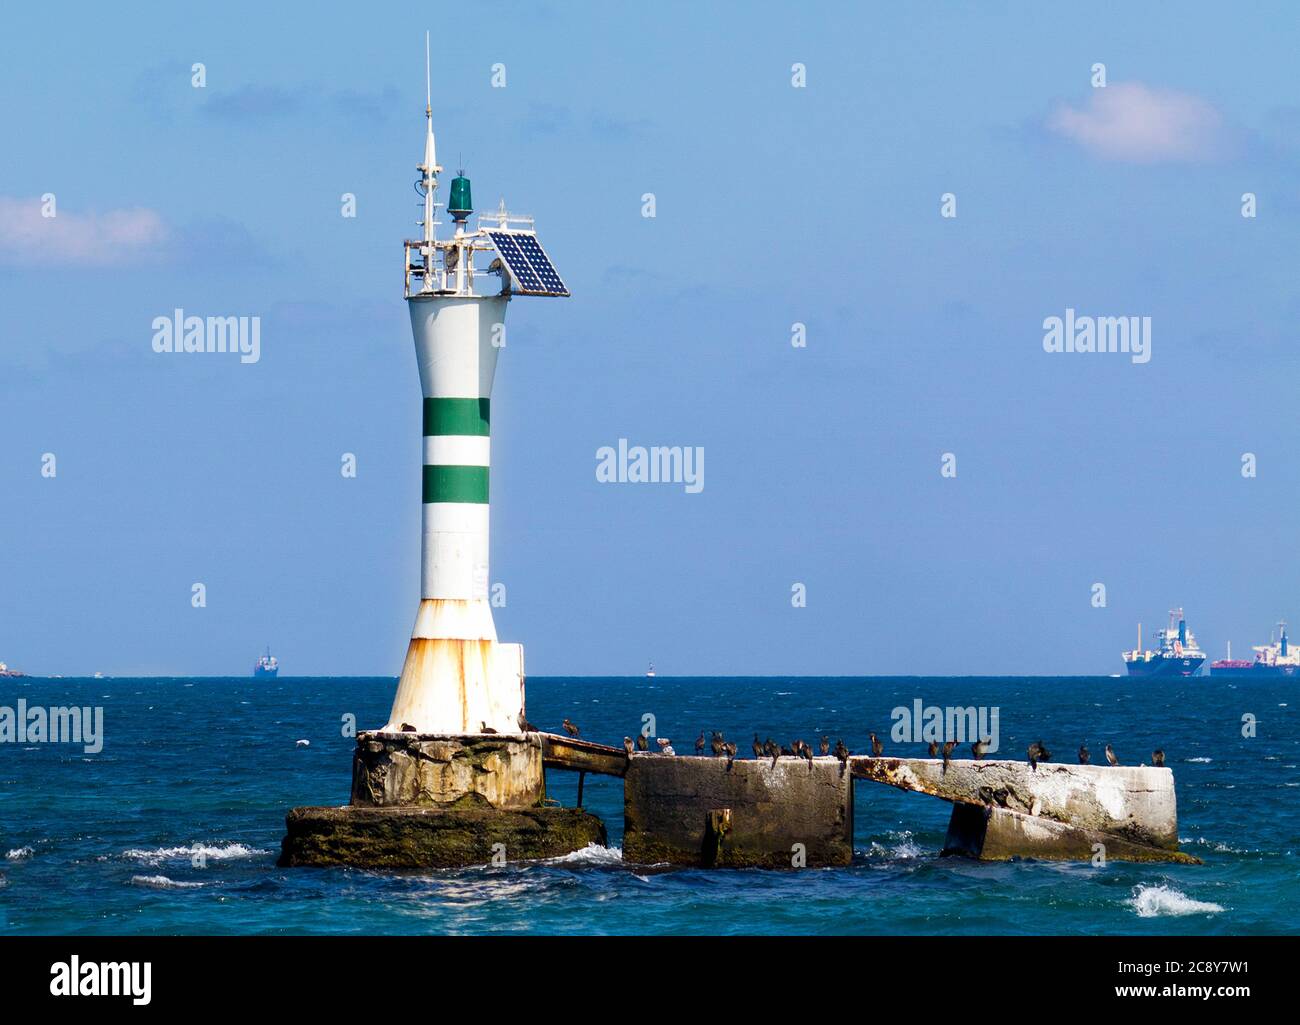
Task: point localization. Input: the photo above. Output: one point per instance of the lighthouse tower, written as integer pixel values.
(458, 678)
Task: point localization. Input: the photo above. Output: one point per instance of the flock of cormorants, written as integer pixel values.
(769, 748)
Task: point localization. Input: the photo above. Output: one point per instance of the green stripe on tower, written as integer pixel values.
(456, 416)
(456, 484)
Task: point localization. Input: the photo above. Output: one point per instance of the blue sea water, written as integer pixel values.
(175, 826)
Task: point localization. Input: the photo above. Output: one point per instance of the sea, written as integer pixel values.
(174, 826)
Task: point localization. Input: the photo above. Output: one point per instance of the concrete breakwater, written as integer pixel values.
(439, 800)
(746, 814)
(1007, 809)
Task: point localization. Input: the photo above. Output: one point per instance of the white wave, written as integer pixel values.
(1217, 845)
(163, 883)
(1153, 901)
(1202, 760)
(592, 854)
(228, 852)
(905, 849)
(19, 853)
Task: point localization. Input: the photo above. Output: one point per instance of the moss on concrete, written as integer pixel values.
(413, 837)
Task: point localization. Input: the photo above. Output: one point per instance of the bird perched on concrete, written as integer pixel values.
(1037, 753)
(774, 749)
(699, 743)
(627, 744)
(978, 748)
(525, 725)
(758, 747)
(877, 747)
(570, 728)
(948, 745)
(1110, 755)
(1083, 753)
(641, 743)
(824, 745)
(665, 746)
(934, 748)
(716, 744)
(485, 728)
(1158, 758)
(842, 753)
(407, 728)
(730, 750)
(808, 756)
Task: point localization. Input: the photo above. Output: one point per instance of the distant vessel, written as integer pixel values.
(7, 672)
(651, 670)
(267, 668)
(1177, 654)
(1272, 660)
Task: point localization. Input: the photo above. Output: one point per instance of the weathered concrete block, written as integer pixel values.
(999, 834)
(409, 837)
(674, 810)
(1135, 803)
(429, 770)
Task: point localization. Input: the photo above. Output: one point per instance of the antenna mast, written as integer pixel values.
(430, 168)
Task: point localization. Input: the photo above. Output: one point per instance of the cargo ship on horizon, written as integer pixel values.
(1272, 660)
(1177, 654)
(267, 668)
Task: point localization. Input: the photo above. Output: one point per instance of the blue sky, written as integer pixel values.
(775, 205)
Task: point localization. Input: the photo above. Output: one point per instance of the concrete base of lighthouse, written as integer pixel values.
(439, 801)
(431, 771)
(457, 677)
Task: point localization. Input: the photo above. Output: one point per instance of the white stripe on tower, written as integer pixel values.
(456, 450)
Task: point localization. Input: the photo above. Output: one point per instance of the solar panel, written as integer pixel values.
(530, 265)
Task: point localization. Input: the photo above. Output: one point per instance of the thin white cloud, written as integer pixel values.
(1140, 124)
(27, 238)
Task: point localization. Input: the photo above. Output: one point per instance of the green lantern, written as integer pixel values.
(460, 206)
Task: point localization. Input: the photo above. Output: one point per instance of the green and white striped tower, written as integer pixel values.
(457, 678)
